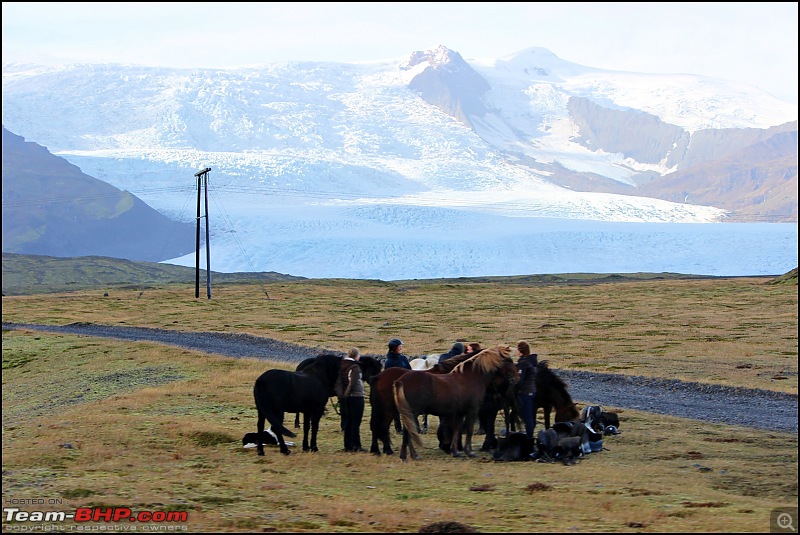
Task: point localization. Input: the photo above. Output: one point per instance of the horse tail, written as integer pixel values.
(265, 410)
(406, 414)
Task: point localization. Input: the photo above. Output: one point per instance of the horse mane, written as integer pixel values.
(545, 374)
(487, 360)
(324, 364)
(447, 365)
(370, 367)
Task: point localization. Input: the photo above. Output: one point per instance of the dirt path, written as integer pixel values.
(762, 409)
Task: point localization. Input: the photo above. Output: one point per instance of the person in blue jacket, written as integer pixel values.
(395, 357)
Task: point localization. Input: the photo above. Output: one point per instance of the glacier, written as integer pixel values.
(341, 170)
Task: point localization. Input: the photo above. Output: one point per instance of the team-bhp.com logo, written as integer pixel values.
(94, 514)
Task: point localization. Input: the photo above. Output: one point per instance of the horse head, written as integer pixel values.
(555, 393)
(567, 413)
(370, 367)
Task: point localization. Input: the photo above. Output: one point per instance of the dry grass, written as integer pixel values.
(86, 420)
(739, 332)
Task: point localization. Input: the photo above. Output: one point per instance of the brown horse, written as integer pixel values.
(454, 397)
(382, 405)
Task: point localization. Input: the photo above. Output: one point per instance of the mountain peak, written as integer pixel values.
(436, 57)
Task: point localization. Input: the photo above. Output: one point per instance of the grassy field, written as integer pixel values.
(95, 422)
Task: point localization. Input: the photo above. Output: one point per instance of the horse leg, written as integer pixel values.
(412, 450)
(486, 419)
(404, 446)
(306, 425)
(380, 423)
(386, 437)
(470, 424)
(260, 428)
(297, 420)
(455, 425)
(315, 418)
(398, 425)
(374, 427)
(443, 434)
(279, 433)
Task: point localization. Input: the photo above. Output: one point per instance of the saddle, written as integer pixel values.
(600, 421)
(565, 442)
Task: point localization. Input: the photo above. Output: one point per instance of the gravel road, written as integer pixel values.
(761, 409)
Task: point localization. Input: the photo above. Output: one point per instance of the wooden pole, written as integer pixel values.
(202, 181)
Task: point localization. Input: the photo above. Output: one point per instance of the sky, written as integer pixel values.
(749, 42)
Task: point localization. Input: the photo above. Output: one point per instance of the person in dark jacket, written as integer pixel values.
(395, 357)
(353, 401)
(457, 349)
(526, 387)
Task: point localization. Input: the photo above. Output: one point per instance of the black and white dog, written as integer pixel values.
(251, 440)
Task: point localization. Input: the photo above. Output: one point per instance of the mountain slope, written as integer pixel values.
(51, 207)
(691, 127)
(757, 180)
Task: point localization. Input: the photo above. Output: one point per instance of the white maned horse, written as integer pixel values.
(425, 363)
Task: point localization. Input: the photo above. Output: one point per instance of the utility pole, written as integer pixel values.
(202, 184)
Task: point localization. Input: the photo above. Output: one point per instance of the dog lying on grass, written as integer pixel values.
(267, 438)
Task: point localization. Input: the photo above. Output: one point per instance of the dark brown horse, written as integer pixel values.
(551, 394)
(454, 397)
(382, 405)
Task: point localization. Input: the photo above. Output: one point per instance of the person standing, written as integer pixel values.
(353, 397)
(526, 387)
(395, 357)
(457, 349)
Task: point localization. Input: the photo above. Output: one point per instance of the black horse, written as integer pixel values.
(551, 393)
(370, 367)
(279, 391)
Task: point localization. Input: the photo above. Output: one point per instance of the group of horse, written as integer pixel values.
(462, 391)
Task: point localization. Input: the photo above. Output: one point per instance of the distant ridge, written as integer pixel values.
(35, 274)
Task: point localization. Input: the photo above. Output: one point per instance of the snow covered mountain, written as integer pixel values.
(415, 167)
